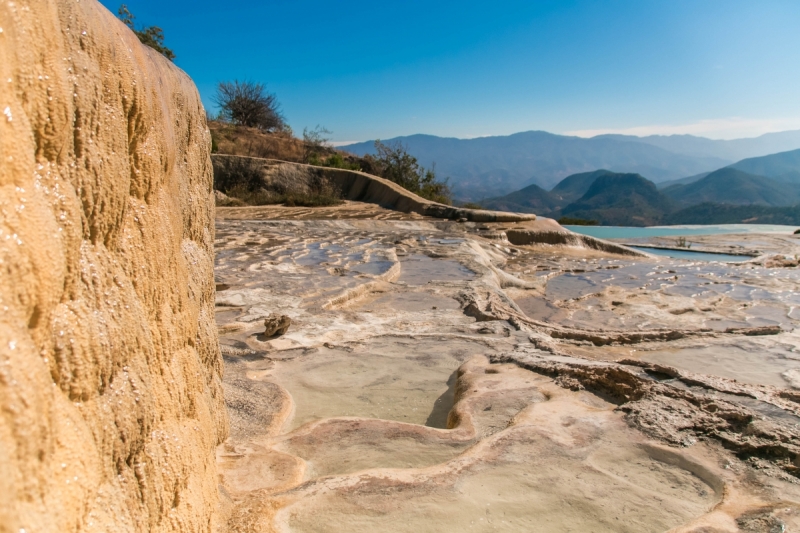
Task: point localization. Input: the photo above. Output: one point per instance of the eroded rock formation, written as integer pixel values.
(363, 187)
(439, 377)
(109, 363)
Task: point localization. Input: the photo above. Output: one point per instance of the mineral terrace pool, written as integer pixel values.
(693, 256)
(623, 232)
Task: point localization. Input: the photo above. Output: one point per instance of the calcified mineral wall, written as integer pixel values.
(110, 398)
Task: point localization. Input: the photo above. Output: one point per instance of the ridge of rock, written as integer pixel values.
(110, 368)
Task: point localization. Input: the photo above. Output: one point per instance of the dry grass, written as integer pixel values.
(252, 182)
(241, 140)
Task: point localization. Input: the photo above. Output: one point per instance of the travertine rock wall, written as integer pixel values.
(363, 187)
(110, 398)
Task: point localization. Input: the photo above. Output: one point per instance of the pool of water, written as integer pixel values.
(419, 269)
(692, 279)
(693, 256)
(622, 232)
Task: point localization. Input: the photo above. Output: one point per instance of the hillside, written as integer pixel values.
(682, 181)
(534, 199)
(621, 200)
(573, 187)
(531, 199)
(241, 140)
(495, 166)
(784, 166)
(734, 149)
(710, 213)
(734, 187)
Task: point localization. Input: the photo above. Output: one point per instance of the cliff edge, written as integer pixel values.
(110, 395)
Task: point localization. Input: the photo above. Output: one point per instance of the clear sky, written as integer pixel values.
(380, 68)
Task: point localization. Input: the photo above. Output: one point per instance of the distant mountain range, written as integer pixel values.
(728, 194)
(732, 186)
(621, 200)
(494, 166)
(783, 166)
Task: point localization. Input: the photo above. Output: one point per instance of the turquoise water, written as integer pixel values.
(693, 256)
(620, 232)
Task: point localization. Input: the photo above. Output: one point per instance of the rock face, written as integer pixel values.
(109, 362)
(276, 325)
(363, 187)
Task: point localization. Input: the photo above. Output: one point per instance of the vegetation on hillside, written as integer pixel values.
(316, 143)
(152, 36)
(714, 213)
(394, 163)
(318, 151)
(724, 196)
(732, 186)
(230, 139)
(531, 199)
(782, 166)
(621, 200)
(242, 179)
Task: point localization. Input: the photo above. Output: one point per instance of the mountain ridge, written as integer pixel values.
(734, 187)
(493, 166)
(621, 200)
(781, 166)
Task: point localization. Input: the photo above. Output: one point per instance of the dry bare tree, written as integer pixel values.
(247, 103)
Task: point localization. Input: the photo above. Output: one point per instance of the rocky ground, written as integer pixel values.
(437, 378)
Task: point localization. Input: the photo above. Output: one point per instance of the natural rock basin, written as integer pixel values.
(748, 363)
(435, 380)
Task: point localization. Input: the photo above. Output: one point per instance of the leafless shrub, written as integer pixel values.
(246, 103)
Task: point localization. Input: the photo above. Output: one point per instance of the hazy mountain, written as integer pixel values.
(621, 200)
(531, 199)
(534, 199)
(711, 213)
(734, 150)
(784, 166)
(573, 187)
(734, 187)
(726, 196)
(494, 166)
(682, 181)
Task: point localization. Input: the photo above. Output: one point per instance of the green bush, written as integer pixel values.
(152, 36)
(334, 160)
(315, 141)
(394, 163)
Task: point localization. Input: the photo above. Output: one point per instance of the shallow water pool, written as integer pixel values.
(693, 256)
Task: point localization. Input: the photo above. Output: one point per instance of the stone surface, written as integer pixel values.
(110, 372)
(439, 376)
(276, 325)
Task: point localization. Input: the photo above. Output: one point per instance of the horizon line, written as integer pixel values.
(583, 134)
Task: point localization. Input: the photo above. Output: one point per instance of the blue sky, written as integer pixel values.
(379, 69)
